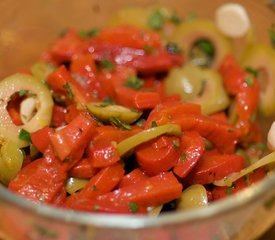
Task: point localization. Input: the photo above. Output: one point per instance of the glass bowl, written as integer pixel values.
(26, 29)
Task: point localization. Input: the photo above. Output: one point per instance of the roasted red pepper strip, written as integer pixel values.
(58, 116)
(223, 136)
(41, 180)
(214, 166)
(158, 155)
(74, 136)
(246, 90)
(153, 191)
(103, 182)
(254, 177)
(41, 138)
(192, 148)
(132, 178)
(83, 169)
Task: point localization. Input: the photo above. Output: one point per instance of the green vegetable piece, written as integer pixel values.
(197, 85)
(227, 181)
(192, 197)
(115, 121)
(91, 33)
(69, 91)
(156, 20)
(25, 135)
(133, 207)
(75, 184)
(205, 33)
(41, 70)
(261, 58)
(106, 64)
(146, 135)
(11, 160)
(105, 111)
(134, 82)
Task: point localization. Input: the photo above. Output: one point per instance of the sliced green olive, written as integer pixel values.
(104, 112)
(11, 159)
(41, 70)
(262, 58)
(42, 117)
(129, 143)
(265, 161)
(191, 34)
(75, 184)
(198, 85)
(194, 196)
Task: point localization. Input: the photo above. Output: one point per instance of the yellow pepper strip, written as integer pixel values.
(75, 184)
(146, 135)
(270, 158)
(42, 117)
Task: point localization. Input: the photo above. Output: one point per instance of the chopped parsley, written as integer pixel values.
(249, 81)
(175, 18)
(154, 124)
(69, 91)
(183, 157)
(25, 135)
(134, 82)
(176, 144)
(173, 48)
(229, 190)
(156, 20)
(149, 49)
(133, 207)
(206, 46)
(252, 117)
(22, 93)
(118, 123)
(91, 33)
(271, 33)
(252, 71)
(106, 64)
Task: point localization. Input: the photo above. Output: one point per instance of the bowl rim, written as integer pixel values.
(122, 221)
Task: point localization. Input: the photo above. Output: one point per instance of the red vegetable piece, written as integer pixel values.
(41, 138)
(132, 177)
(158, 155)
(58, 79)
(136, 99)
(59, 116)
(83, 169)
(74, 136)
(215, 166)
(240, 184)
(192, 148)
(41, 180)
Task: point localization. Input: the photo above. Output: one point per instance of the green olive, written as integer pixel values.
(198, 85)
(194, 34)
(261, 58)
(75, 184)
(105, 111)
(194, 196)
(11, 159)
(41, 70)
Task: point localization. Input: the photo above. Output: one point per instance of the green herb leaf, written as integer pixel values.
(176, 144)
(25, 135)
(252, 117)
(173, 48)
(175, 19)
(22, 93)
(206, 46)
(156, 20)
(116, 122)
(271, 33)
(106, 64)
(134, 82)
(249, 81)
(154, 124)
(133, 207)
(69, 91)
(149, 49)
(108, 100)
(183, 157)
(91, 33)
(229, 190)
(252, 71)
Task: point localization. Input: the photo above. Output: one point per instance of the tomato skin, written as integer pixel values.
(215, 166)
(83, 169)
(74, 136)
(41, 180)
(158, 155)
(41, 138)
(192, 148)
(240, 184)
